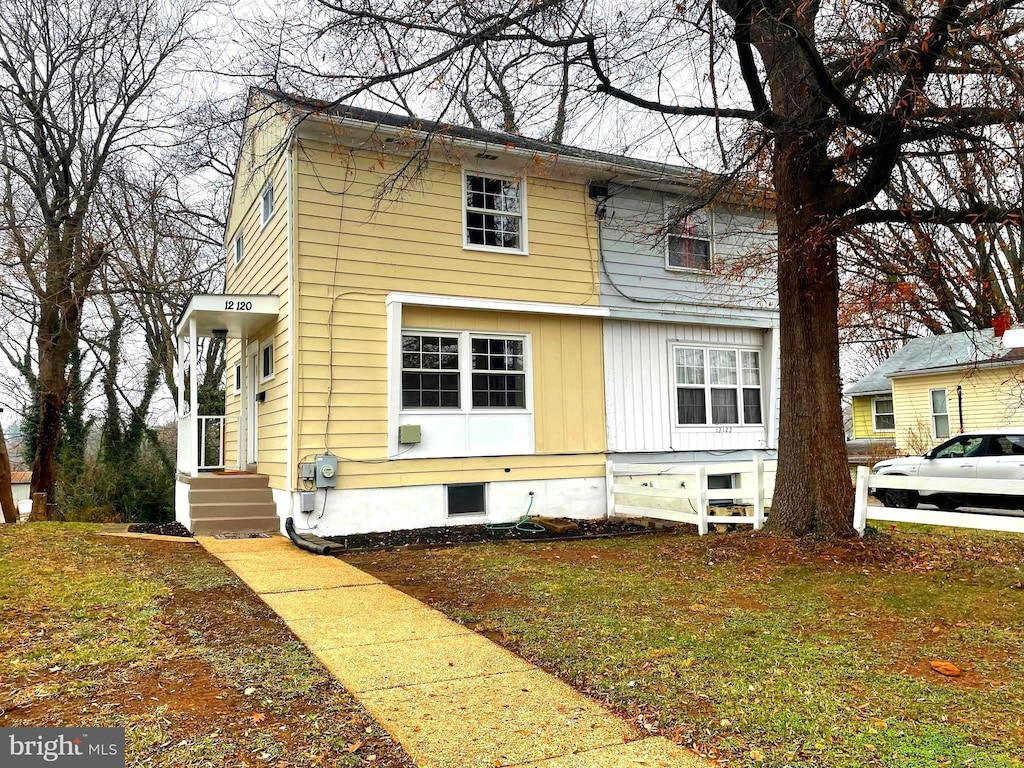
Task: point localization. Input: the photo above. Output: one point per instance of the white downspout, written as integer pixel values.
(193, 348)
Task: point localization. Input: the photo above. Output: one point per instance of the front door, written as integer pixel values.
(252, 409)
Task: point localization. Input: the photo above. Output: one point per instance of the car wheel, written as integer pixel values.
(899, 497)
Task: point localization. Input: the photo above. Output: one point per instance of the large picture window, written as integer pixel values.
(494, 213)
(716, 387)
(435, 370)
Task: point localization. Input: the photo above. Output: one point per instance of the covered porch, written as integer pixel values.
(201, 436)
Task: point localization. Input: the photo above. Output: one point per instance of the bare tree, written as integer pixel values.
(80, 86)
(827, 98)
(10, 511)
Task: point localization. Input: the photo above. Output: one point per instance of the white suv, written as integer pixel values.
(984, 454)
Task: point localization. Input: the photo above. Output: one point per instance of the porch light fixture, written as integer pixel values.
(220, 333)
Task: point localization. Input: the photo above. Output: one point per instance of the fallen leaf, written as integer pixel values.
(258, 717)
(757, 754)
(947, 668)
(354, 746)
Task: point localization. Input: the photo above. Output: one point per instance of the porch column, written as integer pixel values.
(183, 461)
(243, 403)
(193, 349)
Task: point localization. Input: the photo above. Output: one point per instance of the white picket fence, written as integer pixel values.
(866, 483)
(679, 493)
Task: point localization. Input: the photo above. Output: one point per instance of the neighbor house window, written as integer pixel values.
(267, 203)
(717, 386)
(239, 249)
(494, 213)
(940, 414)
(689, 240)
(499, 373)
(267, 360)
(430, 371)
(882, 414)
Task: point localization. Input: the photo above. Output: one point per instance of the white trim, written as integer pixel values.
(263, 377)
(933, 414)
(393, 313)
(709, 211)
(293, 361)
(265, 216)
(875, 414)
(494, 305)
(524, 240)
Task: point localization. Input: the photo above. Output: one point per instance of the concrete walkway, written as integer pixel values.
(451, 697)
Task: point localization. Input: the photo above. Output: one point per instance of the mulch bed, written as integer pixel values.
(161, 529)
(447, 536)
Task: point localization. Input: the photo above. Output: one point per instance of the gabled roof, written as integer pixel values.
(665, 172)
(937, 354)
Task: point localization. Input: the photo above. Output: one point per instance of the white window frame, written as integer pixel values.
(265, 215)
(739, 386)
(710, 213)
(239, 248)
(468, 515)
(933, 414)
(875, 414)
(465, 370)
(524, 238)
(264, 378)
(236, 384)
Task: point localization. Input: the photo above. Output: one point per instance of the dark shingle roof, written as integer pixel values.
(950, 350)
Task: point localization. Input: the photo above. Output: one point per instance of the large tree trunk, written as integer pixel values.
(53, 393)
(6, 491)
(813, 492)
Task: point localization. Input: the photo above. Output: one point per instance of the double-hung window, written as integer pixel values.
(430, 371)
(435, 369)
(499, 373)
(940, 414)
(717, 387)
(688, 243)
(494, 213)
(882, 415)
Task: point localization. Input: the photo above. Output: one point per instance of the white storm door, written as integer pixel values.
(252, 420)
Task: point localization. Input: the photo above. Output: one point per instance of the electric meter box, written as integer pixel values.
(326, 471)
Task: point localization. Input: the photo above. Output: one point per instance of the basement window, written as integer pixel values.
(467, 499)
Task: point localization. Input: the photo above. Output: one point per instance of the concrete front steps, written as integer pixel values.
(232, 504)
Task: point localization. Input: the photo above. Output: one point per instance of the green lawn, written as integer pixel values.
(757, 652)
(162, 639)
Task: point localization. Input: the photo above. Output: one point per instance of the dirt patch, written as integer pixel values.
(161, 529)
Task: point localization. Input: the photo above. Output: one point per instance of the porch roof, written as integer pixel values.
(239, 314)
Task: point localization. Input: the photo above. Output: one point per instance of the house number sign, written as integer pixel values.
(238, 306)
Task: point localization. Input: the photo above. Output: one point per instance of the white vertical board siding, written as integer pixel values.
(639, 387)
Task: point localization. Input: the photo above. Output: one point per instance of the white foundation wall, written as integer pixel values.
(373, 510)
(182, 512)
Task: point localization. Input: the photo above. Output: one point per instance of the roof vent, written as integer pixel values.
(486, 156)
(597, 190)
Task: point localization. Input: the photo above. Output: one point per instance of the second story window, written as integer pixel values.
(494, 213)
(267, 203)
(689, 241)
(239, 249)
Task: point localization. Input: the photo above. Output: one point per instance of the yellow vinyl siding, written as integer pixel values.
(863, 419)
(263, 270)
(353, 249)
(991, 399)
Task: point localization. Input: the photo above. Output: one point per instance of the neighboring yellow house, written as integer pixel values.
(937, 387)
(414, 329)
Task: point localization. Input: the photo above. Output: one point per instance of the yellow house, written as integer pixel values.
(414, 326)
(936, 387)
